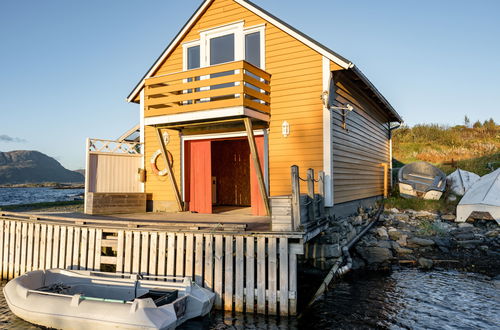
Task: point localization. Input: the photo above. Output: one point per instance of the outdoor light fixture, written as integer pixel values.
(325, 97)
(285, 129)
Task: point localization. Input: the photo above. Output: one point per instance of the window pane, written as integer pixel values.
(193, 57)
(222, 49)
(252, 48)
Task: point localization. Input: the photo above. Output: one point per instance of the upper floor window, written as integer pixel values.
(193, 57)
(222, 49)
(224, 44)
(252, 48)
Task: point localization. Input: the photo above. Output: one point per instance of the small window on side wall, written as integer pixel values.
(193, 57)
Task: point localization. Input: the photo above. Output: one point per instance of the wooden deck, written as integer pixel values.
(227, 220)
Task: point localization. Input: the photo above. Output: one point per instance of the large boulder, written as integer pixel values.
(374, 254)
(416, 242)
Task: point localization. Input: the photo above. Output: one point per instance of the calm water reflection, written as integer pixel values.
(407, 299)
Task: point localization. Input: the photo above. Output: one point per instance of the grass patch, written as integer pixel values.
(429, 228)
(417, 204)
(43, 205)
(473, 147)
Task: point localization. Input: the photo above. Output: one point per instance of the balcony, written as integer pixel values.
(234, 84)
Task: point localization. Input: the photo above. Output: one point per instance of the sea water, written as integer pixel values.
(12, 196)
(404, 299)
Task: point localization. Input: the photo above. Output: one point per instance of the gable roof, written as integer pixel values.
(321, 49)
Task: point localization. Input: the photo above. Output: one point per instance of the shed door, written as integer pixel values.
(199, 171)
(258, 207)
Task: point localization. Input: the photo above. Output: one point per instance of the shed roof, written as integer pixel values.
(320, 48)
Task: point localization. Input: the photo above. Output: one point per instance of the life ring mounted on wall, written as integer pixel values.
(157, 153)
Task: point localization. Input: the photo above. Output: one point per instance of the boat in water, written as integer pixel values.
(482, 197)
(421, 179)
(78, 299)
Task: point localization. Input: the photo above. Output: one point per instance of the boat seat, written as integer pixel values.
(161, 298)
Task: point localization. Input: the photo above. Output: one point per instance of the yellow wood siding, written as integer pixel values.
(358, 152)
(157, 187)
(296, 86)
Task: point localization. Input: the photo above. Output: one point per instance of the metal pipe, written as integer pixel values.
(336, 269)
(345, 250)
(368, 227)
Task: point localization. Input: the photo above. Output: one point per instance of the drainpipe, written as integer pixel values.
(336, 269)
(345, 250)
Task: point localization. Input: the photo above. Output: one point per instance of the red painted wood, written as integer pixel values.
(199, 170)
(258, 207)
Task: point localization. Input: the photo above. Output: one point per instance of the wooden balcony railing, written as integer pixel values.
(220, 86)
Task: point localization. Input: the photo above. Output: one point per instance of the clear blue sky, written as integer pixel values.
(67, 66)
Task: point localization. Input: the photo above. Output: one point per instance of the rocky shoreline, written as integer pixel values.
(53, 185)
(410, 238)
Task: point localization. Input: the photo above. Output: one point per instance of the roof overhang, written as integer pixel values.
(375, 91)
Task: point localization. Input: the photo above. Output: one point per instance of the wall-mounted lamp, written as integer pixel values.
(285, 129)
(325, 97)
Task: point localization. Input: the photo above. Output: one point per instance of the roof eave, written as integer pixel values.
(375, 91)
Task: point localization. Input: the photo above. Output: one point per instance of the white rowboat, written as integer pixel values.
(73, 299)
(482, 197)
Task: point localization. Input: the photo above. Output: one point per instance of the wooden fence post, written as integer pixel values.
(321, 188)
(310, 193)
(295, 197)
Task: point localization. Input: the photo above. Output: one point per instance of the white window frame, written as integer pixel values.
(185, 47)
(206, 35)
(239, 42)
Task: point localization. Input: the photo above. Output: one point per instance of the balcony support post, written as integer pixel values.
(170, 172)
(256, 163)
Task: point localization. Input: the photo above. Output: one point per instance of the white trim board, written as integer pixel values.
(142, 138)
(327, 138)
(258, 12)
(206, 114)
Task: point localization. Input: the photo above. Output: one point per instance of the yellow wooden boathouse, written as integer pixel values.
(233, 69)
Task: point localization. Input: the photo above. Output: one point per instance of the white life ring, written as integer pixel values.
(153, 164)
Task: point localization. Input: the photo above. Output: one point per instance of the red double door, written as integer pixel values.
(198, 184)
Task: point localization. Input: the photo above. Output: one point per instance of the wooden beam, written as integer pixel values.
(256, 163)
(170, 172)
(295, 197)
(386, 187)
(311, 194)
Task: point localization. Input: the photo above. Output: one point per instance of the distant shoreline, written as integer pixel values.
(53, 185)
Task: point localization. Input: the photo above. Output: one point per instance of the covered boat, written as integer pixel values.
(421, 179)
(71, 299)
(460, 181)
(482, 197)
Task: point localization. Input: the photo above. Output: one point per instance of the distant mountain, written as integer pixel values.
(23, 166)
(81, 171)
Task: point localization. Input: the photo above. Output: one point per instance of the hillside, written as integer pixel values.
(475, 149)
(23, 166)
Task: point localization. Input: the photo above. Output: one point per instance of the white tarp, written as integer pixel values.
(483, 196)
(460, 181)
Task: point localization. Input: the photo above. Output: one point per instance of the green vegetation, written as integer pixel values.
(429, 228)
(418, 204)
(472, 148)
(49, 206)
